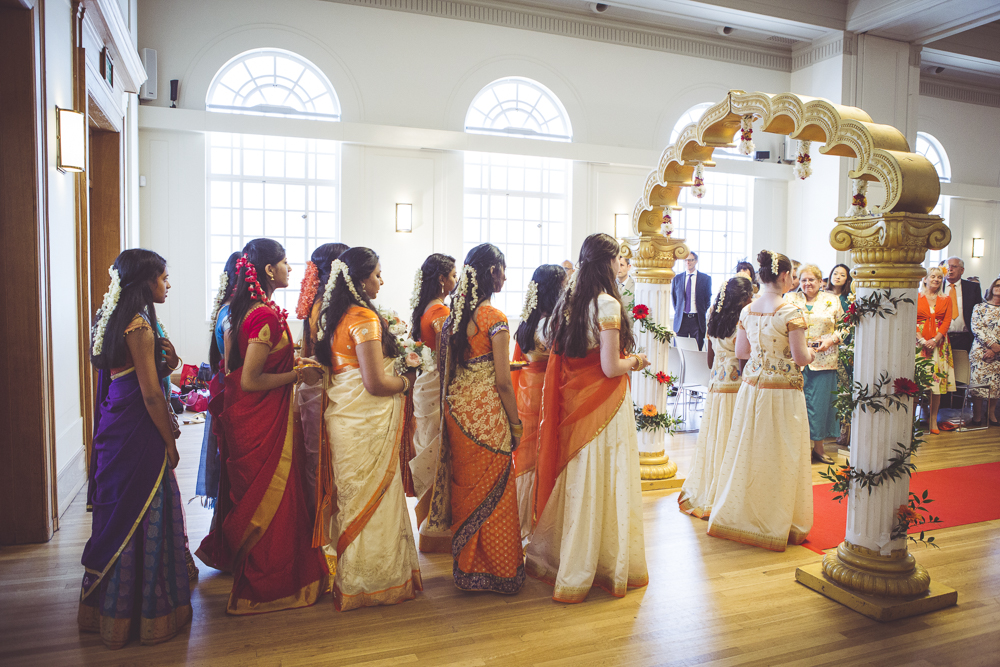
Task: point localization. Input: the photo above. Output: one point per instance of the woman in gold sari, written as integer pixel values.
(474, 490)
(543, 292)
(363, 421)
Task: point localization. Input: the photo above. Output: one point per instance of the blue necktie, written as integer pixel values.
(687, 295)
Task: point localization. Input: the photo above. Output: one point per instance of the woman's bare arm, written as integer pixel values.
(373, 375)
(141, 346)
(801, 353)
(254, 378)
(611, 357)
(742, 345)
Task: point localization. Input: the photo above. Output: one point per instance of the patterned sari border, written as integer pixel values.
(486, 581)
(393, 595)
(128, 537)
(304, 597)
(756, 539)
(471, 437)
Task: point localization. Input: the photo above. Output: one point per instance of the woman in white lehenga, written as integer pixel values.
(701, 485)
(370, 526)
(588, 505)
(435, 281)
(764, 493)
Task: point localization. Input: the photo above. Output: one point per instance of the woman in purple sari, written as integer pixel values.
(136, 580)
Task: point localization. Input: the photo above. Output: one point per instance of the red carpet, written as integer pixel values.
(969, 494)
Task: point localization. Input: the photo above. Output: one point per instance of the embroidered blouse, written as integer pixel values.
(823, 317)
(771, 365)
(358, 325)
(486, 323)
(726, 378)
(609, 314)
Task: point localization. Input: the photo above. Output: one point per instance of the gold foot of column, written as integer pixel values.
(656, 465)
(937, 596)
(869, 572)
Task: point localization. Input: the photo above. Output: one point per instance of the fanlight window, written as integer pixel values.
(932, 149)
(519, 107)
(273, 82)
(693, 115)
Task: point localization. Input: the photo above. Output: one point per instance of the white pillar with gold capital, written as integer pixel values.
(653, 255)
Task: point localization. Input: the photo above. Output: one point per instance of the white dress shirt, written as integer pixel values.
(957, 319)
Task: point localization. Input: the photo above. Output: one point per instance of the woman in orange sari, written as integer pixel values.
(587, 504)
(267, 527)
(544, 291)
(368, 522)
(435, 281)
(474, 488)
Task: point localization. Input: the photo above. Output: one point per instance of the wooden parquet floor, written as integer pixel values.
(709, 601)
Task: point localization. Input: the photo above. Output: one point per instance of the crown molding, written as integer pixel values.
(607, 31)
(958, 92)
(824, 49)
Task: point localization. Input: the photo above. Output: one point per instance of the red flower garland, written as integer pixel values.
(307, 295)
(256, 291)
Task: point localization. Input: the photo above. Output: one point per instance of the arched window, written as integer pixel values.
(519, 107)
(693, 115)
(932, 149)
(273, 82)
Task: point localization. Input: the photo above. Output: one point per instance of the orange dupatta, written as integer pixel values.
(578, 402)
(528, 392)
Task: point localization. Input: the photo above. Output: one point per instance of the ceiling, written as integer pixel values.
(960, 38)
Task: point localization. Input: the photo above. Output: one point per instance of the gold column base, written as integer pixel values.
(869, 572)
(882, 609)
(656, 465)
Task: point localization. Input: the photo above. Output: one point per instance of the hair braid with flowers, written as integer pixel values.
(483, 266)
(546, 286)
(252, 289)
(427, 286)
(772, 264)
(307, 292)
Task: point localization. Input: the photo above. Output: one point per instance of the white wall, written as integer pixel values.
(62, 204)
(405, 82)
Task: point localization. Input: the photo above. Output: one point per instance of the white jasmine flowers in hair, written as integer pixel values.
(217, 304)
(107, 307)
(722, 297)
(336, 268)
(530, 300)
(418, 284)
(775, 266)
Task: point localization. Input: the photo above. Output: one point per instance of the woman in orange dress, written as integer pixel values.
(310, 397)
(587, 511)
(435, 281)
(544, 291)
(474, 488)
(267, 527)
(363, 421)
(933, 319)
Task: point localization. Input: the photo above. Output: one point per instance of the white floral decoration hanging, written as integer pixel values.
(220, 296)
(803, 162)
(859, 201)
(418, 284)
(746, 135)
(667, 226)
(698, 190)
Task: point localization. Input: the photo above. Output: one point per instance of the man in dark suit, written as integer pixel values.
(964, 295)
(692, 297)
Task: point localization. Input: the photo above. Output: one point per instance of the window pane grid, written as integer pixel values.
(520, 107)
(718, 227)
(297, 208)
(525, 216)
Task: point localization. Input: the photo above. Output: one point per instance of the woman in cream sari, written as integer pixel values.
(435, 281)
(587, 506)
(368, 524)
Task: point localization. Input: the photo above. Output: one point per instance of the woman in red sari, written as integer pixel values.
(435, 281)
(267, 528)
(474, 489)
(544, 290)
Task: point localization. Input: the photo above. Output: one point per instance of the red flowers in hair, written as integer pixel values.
(640, 312)
(310, 285)
(249, 271)
(905, 387)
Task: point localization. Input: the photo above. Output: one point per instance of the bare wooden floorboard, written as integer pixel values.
(709, 601)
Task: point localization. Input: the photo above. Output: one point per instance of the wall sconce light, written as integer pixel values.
(404, 218)
(622, 225)
(71, 133)
(978, 247)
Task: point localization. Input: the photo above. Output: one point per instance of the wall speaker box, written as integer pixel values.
(148, 90)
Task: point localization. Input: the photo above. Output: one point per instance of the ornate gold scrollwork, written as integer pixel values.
(888, 250)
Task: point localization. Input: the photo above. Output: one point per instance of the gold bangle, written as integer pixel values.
(516, 430)
(406, 384)
(635, 358)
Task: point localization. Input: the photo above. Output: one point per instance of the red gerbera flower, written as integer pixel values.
(662, 377)
(640, 311)
(905, 387)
